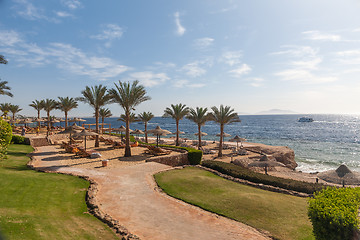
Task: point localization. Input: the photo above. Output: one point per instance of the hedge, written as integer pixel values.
(334, 213)
(5, 138)
(246, 174)
(16, 139)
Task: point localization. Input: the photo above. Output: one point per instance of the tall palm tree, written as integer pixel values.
(14, 109)
(104, 113)
(128, 96)
(145, 117)
(223, 115)
(200, 117)
(132, 118)
(48, 106)
(66, 104)
(177, 112)
(4, 89)
(5, 108)
(38, 106)
(3, 60)
(96, 97)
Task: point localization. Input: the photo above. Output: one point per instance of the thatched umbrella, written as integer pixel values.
(85, 133)
(341, 175)
(25, 121)
(121, 130)
(71, 129)
(237, 139)
(158, 131)
(202, 134)
(265, 163)
(180, 132)
(137, 132)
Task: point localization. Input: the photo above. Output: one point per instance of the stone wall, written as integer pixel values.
(172, 160)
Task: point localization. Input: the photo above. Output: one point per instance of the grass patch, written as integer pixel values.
(284, 216)
(35, 205)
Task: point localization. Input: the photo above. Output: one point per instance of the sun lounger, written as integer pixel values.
(157, 151)
(84, 153)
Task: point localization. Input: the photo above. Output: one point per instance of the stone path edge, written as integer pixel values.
(91, 201)
(159, 190)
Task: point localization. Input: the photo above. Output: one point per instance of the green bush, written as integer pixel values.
(246, 174)
(334, 213)
(5, 138)
(16, 139)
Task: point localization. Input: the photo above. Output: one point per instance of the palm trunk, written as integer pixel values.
(199, 131)
(102, 125)
(146, 140)
(221, 140)
(177, 132)
(48, 123)
(97, 127)
(39, 124)
(127, 137)
(66, 117)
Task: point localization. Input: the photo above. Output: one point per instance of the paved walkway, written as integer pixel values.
(129, 195)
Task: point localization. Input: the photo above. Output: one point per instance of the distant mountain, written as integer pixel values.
(275, 111)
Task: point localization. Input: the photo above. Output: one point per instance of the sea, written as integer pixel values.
(321, 145)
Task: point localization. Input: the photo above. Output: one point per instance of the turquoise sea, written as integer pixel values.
(320, 145)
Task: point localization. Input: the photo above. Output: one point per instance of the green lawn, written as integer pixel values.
(284, 216)
(36, 205)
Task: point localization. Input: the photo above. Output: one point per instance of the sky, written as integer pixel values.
(254, 55)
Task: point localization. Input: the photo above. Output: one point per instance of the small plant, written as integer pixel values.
(334, 213)
(16, 139)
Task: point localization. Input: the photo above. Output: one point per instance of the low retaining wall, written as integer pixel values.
(172, 160)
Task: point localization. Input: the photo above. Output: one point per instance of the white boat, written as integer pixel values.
(305, 119)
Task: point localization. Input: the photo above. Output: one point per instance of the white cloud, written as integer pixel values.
(193, 69)
(317, 35)
(240, 71)
(187, 84)
(149, 79)
(307, 64)
(180, 30)
(72, 4)
(109, 33)
(297, 51)
(9, 38)
(27, 10)
(63, 14)
(64, 56)
(203, 43)
(256, 82)
(303, 76)
(231, 58)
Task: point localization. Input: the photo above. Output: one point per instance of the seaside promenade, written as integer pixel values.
(130, 195)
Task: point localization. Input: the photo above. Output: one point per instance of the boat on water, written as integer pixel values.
(305, 119)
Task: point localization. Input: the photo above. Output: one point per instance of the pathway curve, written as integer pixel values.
(129, 195)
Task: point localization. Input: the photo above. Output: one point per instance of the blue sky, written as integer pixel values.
(253, 55)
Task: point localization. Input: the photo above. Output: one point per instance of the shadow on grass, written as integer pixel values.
(18, 168)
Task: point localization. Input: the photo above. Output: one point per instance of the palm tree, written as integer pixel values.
(177, 112)
(128, 96)
(38, 106)
(132, 118)
(48, 106)
(5, 108)
(4, 88)
(200, 117)
(145, 117)
(14, 109)
(66, 104)
(3, 60)
(104, 113)
(96, 97)
(223, 116)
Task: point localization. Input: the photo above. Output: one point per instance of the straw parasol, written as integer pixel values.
(25, 121)
(224, 135)
(265, 163)
(238, 139)
(158, 131)
(180, 132)
(341, 175)
(75, 119)
(71, 129)
(202, 134)
(85, 133)
(137, 132)
(121, 130)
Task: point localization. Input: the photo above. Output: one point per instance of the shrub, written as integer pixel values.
(5, 138)
(334, 213)
(16, 139)
(246, 174)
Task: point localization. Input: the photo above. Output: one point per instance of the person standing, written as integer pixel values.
(23, 130)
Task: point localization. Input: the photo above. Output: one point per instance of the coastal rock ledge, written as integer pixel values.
(282, 154)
